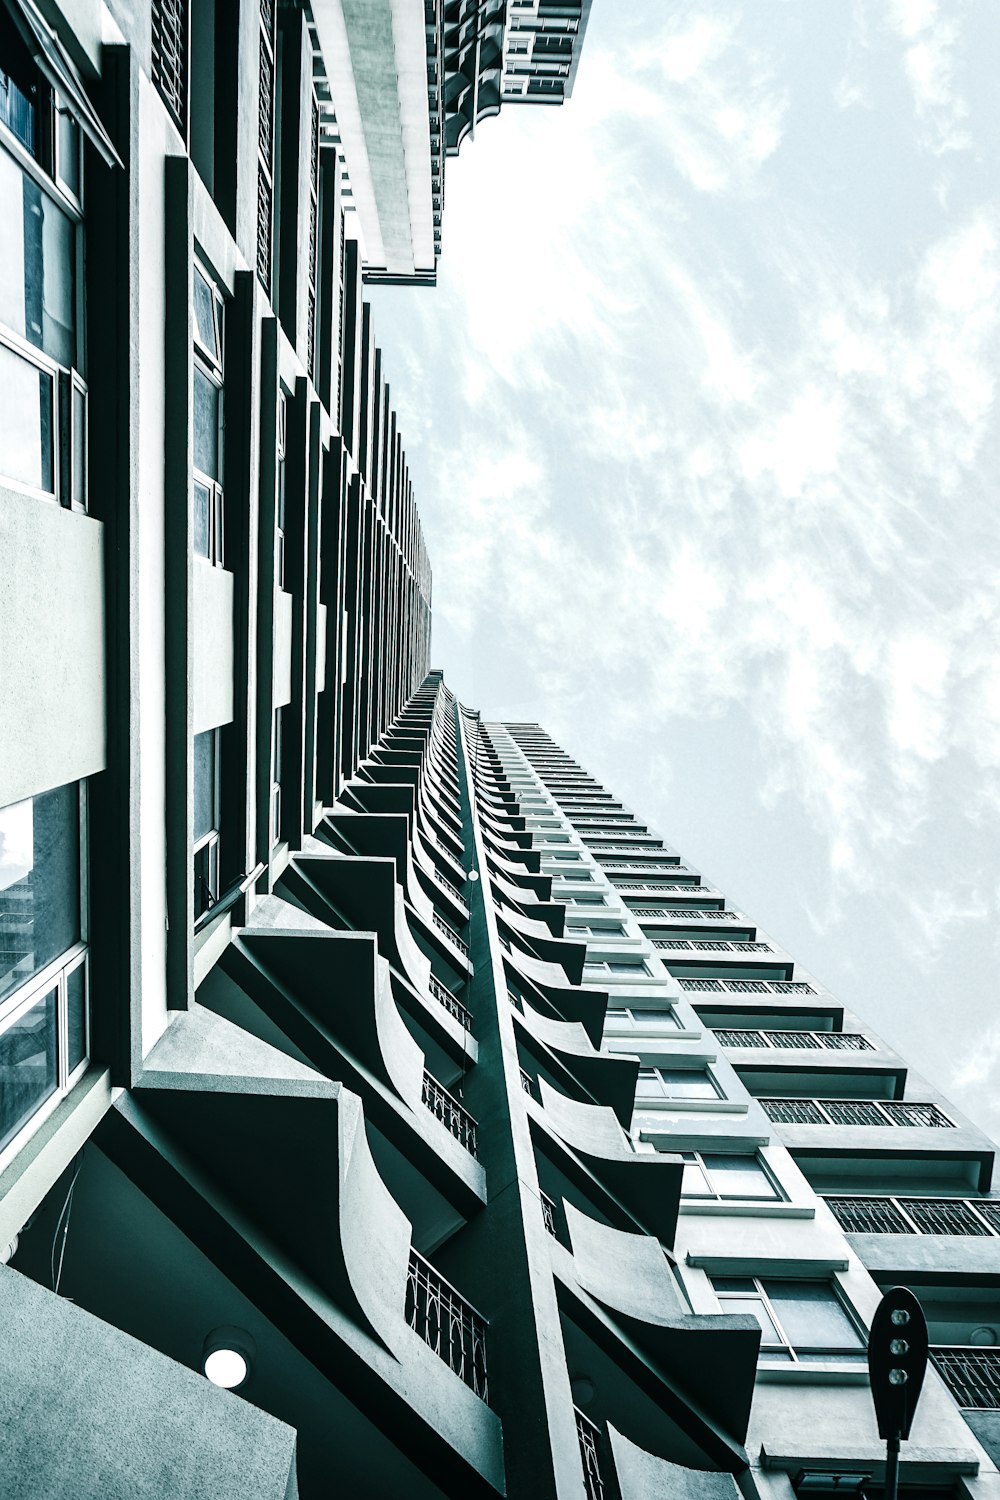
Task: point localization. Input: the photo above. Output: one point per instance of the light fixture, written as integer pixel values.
(830, 1481)
(227, 1357)
(583, 1390)
(983, 1336)
(473, 874)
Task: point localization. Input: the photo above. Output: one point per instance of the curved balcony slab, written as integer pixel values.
(540, 885)
(335, 1005)
(550, 914)
(643, 1476)
(366, 891)
(611, 1079)
(648, 1186)
(382, 797)
(572, 1002)
(711, 1358)
(569, 956)
(142, 1425)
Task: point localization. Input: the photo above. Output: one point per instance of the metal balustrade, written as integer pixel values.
(549, 1214)
(447, 1109)
(450, 934)
(718, 945)
(448, 885)
(954, 1216)
(527, 1083)
(686, 913)
(450, 1002)
(748, 986)
(589, 1436)
(447, 1324)
(833, 1041)
(972, 1375)
(854, 1112)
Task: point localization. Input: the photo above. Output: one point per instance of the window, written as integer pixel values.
(715, 1176)
(591, 929)
(616, 966)
(207, 796)
(676, 1083)
(43, 399)
(585, 899)
(44, 1040)
(642, 1020)
(802, 1322)
(208, 420)
(277, 761)
(279, 499)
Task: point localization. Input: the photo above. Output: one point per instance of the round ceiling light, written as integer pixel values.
(227, 1358)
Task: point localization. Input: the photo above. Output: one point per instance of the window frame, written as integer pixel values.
(211, 840)
(697, 1159)
(211, 366)
(668, 1098)
(787, 1353)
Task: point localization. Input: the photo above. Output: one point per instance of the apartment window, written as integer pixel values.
(802, 1322)
(43, 982)
(676, 1083)
(716, 1175)
(279, 500)
(43, 399)
(208, 419)
(610, 929)
(207, 798)
(584, 899)
(277, 764)
(616, 966)
(643, 1020)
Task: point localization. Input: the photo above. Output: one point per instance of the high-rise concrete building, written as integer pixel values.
(384, 1110)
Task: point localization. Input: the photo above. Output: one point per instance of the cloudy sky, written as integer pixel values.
(702, 419)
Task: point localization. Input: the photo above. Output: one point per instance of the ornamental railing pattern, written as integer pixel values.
(956, 1216)
(747, 986)
(447, 1109)
(833, 1041)
(450, 934)
(447, 1324)
(719, 945)
(589, 1436)
(451, 1003)
(854, 1112)
(972, 1375)
(685, 913)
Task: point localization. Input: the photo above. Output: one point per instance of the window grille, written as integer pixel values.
(972, 1376)
(943, 1216)
(834, 1040)
(793, 1112)
(447, 1324)
(917, 1114)
(527, 1084)
(869, 1216)
(451, 1003)
(853, 1112)
(549, 1215)
(750, 986)
(451, 1114)
(589, 1437)
(170, 57)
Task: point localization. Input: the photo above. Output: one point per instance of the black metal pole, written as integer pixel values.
(891, 1468)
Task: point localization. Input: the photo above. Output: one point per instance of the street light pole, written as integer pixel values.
(897, 1362)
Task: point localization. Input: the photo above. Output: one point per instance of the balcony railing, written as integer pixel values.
(833, 1041)
(451, 1114)
(685, 913)
(670, 911)
(443, 995)
(447, 1324)
(527, 1083)
(448, 885)
(957, 1216)
(972, 1375)
(589, 1437)
(854, 1112)
(691, 945)
(747, 986)
(549, 1215)
(451, 934)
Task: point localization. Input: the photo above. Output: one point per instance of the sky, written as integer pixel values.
(702, 424)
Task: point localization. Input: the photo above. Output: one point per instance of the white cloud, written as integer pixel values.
(929, 61)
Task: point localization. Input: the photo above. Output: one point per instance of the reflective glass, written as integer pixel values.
(28, 1067)
(206, 425)
(739, 1177)
(812, 1315)
(26, 396)
(688, 1083)
(202, 519)
(68, 149)
(657, 1020)
(79, 447)
(206, 317)
(205, 799)
(76, 1009)
(694, 1183)
(648, 1085)
(37, 265)
(39, 883)
(755, 1306)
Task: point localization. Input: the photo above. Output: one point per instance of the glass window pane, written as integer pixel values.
(688, 1083)
(202, 519)
(37, 287)
(812, 1315)
(76, 1004)
(739, 1177)
(755, 1306)
(68, 149)
(79, 447)
(39, 883)
(205, 802)
(28, 1071)
(648, 1085)
(205, 313)
(694, 1183)
(658, 1020)
(26, 412)
(206, 425)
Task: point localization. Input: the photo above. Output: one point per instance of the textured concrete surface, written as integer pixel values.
(213, 646)
(87, 1412)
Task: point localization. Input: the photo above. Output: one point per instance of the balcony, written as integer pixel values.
(446, 1108)
(854, 1112)
(451, 935)
(716, 945)
(747, 986)
(448, 1324)
(833, 1041)
(972, 1375)
(451, 1003)
(952, 1216)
